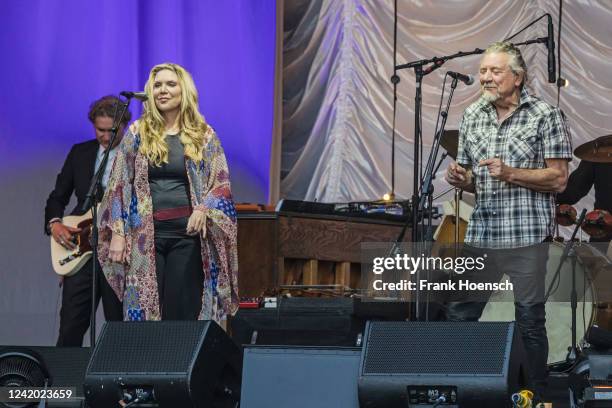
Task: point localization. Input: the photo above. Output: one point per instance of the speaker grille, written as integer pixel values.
(436, 348)
(66, 365)
(147, 347)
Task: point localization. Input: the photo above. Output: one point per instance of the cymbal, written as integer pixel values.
(598, 150)
(450, 142)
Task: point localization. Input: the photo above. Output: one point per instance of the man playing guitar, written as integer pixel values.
(75, 177)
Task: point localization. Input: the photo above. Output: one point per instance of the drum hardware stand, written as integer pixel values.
(568, 251)
(572, 354)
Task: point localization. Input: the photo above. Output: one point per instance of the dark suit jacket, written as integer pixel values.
(587, 175)
(75, 176)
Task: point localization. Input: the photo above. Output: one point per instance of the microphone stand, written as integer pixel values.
(429, 169)
(91, 201)
(427, 187)
(427, 190)
(568, 251)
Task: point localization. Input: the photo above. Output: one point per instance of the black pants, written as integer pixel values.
(180, 280)
(76, 305)
(526, 268)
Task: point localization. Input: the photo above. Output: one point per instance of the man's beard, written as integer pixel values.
(490, 97)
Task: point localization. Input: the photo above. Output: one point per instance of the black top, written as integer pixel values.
(170, 189)
(587, 175)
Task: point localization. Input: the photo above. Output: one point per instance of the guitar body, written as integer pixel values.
(67, 262)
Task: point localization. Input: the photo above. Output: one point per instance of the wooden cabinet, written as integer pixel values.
(293, 248)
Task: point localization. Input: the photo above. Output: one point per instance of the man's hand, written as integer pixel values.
(64, 235)
(551, 179)
(117, 249)
(197, 223)
(497, 169)
(458, 176)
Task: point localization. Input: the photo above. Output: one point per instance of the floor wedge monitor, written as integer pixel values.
(164, 363)
(419, 364)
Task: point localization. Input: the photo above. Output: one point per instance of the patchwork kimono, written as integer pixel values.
(127, 209)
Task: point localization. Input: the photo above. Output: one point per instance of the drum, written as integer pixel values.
(558, 307)
(598, 224)
(566, 215)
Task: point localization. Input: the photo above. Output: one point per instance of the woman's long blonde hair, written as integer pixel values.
(152, 126)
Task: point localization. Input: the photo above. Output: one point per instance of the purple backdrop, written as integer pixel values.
(60, 55)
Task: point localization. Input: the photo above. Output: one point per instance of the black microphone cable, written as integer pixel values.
(526, 27)
(560, 81)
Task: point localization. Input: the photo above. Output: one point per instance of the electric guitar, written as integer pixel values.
(67, 262)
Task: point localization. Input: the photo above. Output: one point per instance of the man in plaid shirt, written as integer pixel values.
(513, 153)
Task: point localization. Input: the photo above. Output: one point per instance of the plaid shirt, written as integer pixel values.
(508, 215)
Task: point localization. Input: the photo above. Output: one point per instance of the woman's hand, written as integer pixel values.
(117, 251)
(197, 223)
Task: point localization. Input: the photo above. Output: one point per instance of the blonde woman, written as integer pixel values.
(167, 220)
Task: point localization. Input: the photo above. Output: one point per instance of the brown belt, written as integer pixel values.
(171, 213)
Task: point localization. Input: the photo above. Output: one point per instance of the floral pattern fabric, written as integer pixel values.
(127, 209)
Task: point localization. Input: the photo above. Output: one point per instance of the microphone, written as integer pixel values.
(466, 79)
(550, 44)
(141, 96)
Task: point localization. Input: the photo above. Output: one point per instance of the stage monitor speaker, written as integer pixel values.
(300, 377)
(29, 366)
(413, 364)
(166, 364)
